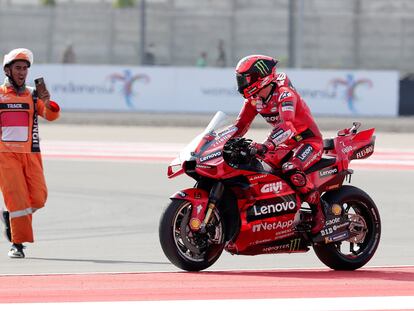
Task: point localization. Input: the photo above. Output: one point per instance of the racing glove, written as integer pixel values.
(257, 149)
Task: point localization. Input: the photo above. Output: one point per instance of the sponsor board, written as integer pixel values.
(136, 88)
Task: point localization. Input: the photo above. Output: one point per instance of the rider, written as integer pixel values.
(22, 181)
(295, 142)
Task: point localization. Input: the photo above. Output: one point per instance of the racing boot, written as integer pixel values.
(5, 219)
(303, 220)
(312, 220)
(318, 217)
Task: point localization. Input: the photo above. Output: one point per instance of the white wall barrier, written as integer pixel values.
(177, 89)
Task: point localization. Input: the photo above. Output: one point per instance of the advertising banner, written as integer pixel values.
(178, 89)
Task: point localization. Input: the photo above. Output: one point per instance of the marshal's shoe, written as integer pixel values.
(5, 219)
(16, 251)
(318, 218)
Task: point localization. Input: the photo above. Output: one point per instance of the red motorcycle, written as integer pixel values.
(243, 205)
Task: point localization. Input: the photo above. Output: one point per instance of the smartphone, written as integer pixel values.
(40, 85)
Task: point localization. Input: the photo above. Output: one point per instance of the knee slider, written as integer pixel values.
(298, 179)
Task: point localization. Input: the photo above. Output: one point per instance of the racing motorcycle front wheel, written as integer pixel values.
(364, 216)
(186, 249)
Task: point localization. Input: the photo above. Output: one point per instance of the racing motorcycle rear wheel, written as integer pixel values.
(188, 250)
(363, 214)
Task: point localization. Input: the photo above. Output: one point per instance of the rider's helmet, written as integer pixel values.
(18, 54)
(254, 72)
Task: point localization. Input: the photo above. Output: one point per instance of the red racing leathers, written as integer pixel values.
(21, 171)
(295, 143)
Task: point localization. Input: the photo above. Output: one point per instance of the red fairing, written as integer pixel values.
(364, 143)
(350, 146)
(364, 135)
(198, 199)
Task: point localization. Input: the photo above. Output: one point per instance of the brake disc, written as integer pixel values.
(357, 228)
(184, 233)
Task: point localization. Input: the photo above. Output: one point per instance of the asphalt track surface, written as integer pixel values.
(97, 237)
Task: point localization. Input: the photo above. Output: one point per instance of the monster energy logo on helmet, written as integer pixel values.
(262, 67)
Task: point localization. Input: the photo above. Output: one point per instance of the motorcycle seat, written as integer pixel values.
(328, 144)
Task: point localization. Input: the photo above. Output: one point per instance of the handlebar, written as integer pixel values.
(352, 130)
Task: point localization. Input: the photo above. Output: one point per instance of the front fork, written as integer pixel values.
(215, 195)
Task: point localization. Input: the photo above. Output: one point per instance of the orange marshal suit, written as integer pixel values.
(22, 180)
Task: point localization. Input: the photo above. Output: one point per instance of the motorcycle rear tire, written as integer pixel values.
(330, 254)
